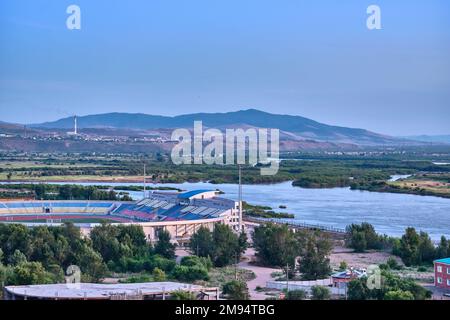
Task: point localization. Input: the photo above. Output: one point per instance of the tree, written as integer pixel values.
(105, 240)
(415, 249)
(14, 237)
(91, 264)
(409, 244)
(392, 282)
(30, 273)
(398, 295)
(117, 244)
(357, 289)
(343, 266)
(236, 290)
(243, 242)
(227, 249)
(158, 275)
(275, 245)
(201, 243)
(443, 250)
(296, 295)
(320, 293)
(164, 247)
(223, 245)
(18, 258)
(358, 241)
(426, 249)
(362, 237)
(314, 262)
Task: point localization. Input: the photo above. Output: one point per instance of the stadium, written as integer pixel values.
(181, 214)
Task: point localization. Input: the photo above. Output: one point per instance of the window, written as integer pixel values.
(448, 270)
(439, 280)
(439, 268)
(448, 282)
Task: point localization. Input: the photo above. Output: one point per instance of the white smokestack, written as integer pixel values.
(75, 124)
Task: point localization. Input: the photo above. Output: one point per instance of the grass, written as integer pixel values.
(35, 165)
(69, 178)
(430, 186)
(219, 276)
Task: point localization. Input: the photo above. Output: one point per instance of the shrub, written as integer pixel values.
(296, 295)
(158, 275)
(190, 274)
(399, 295)
(236, 290)
(157, 261)
(191, 261)
(182, 295)
(320, 293)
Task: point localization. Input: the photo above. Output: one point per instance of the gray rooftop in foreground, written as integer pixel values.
(99, 290)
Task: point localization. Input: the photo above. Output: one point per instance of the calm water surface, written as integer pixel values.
(390, 213)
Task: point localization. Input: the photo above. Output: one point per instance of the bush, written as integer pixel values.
(320, 293)
(236, 290)
(156, 261)
(422, 269)
(393, 264)
(182, 295)
(190, 274)
(399, 295)
(164, 247)
(191, 261)
(158, 275)
(296, 295)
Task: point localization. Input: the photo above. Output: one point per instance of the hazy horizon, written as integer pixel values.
(315, 59)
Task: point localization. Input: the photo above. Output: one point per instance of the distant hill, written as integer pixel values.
(432, 139)
(293, 128)
(12, 128)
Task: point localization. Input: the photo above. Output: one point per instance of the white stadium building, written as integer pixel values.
(181, 214)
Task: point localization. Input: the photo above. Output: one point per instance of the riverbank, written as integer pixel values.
(389, 213)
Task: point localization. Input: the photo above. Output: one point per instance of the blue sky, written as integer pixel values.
(311, 58)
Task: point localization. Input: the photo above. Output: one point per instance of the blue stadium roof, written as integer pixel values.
(445, 260)
(188, 194)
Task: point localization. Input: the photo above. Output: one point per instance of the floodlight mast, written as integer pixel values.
(144, 181)
(240, 199)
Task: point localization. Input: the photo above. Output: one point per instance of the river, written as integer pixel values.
(390, 213)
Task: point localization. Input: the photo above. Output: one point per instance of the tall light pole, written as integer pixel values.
(144, 181)
(240, 198)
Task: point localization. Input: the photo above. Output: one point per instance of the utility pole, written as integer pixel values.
(144, 181)
(235, 268)
(287, 277)
(240, 198)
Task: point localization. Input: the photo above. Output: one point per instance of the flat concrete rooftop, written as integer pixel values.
(100, 291)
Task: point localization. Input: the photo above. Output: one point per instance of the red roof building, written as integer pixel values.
(442, 273)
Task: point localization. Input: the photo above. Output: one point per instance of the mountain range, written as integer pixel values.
(292, 128)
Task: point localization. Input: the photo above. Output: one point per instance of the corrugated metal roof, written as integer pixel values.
(444, 260)
(188, 194)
